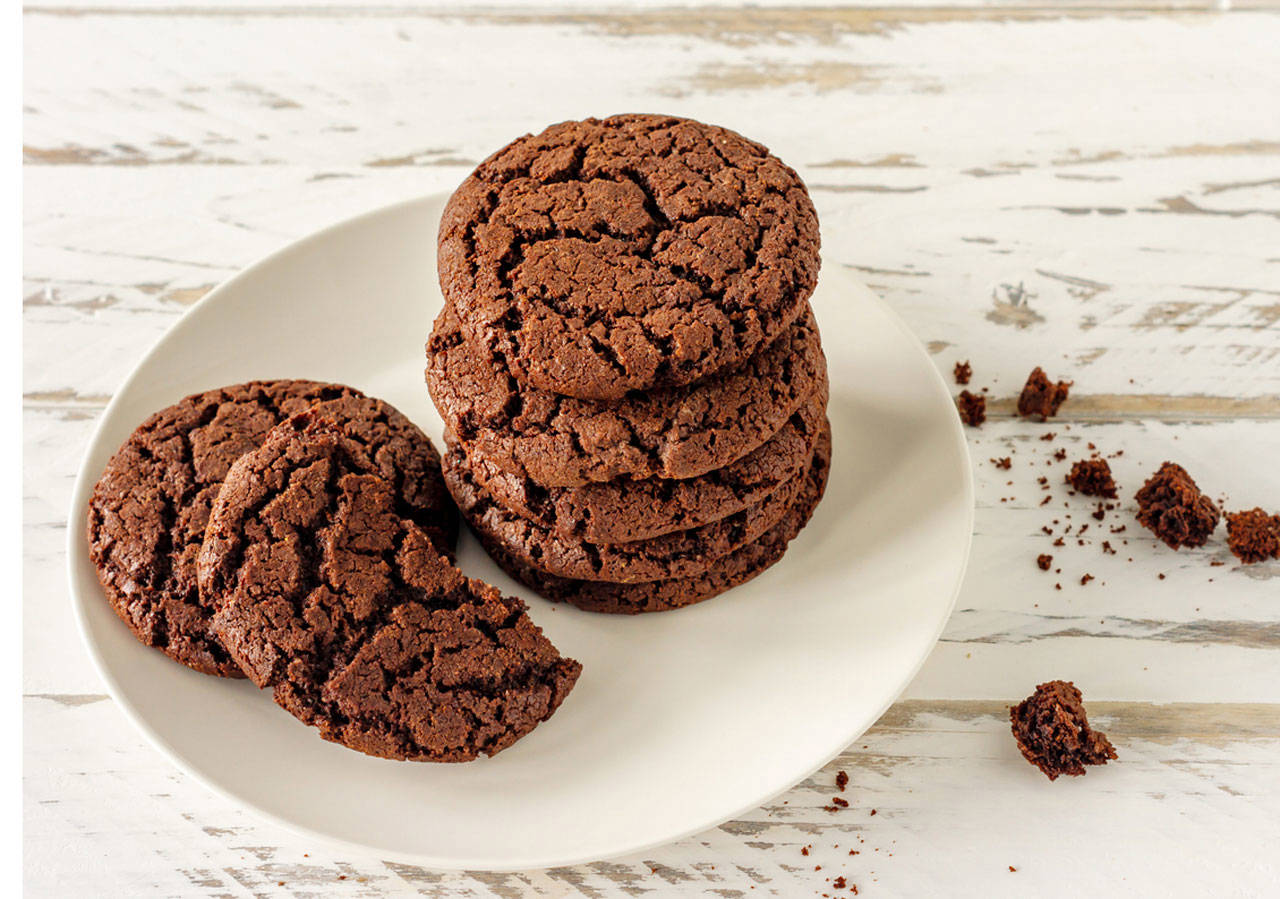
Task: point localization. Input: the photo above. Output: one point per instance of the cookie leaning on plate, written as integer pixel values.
(149, 509)
(630, 253)
(326, 593)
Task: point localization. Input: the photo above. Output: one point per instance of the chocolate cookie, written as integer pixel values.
(676, 555)
(342, 605)
(676, 432)
(638, 251)
(405, 457)
(736, 568)
(148, 511)
(625, 511)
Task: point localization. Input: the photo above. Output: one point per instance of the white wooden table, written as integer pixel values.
(1096, 190)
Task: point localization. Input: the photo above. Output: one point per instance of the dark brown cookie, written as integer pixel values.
(676, 432)
(679, 554)
(639, 251)
(327, 594)
(736, 568)
(624, 511)
(405, 457)
(148, 511)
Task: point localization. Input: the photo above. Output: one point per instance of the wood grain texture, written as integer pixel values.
(1094, 189)
(943, 779)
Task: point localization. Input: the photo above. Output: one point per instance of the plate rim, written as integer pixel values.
(76, 552)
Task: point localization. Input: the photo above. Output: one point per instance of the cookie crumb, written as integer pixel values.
(1041, 397)
(1044, 560)
(842, 780)
(1048, 435)
(1084, 579)
(1004, 464)
(1253, 535)
(838, 883)
(1012, 868)
(843, 803)
(1092, 477)
(973, 409)
(1172, 507)
(963, 372)
(1053, 732)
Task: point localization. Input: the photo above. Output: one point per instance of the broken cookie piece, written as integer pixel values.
(1041, 397)
(973, 408)
(1092, 477)
(1172, 507)
(1253, 535)
(1053, 731)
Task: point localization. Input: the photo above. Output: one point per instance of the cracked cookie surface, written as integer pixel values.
(325, 593)
(626, 511)
(679, 554)
(611, 255)
(403, 456)
(148, 511)
(674, 432)
(733, 569)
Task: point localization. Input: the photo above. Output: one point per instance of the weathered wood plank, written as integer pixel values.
(1184, 770)
(1118, 247)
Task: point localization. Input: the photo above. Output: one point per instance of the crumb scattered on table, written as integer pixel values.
(1172, 507)
(973, 409)
(1253, 535)
(1092, 477)
(1041, 397)
(1053, 733)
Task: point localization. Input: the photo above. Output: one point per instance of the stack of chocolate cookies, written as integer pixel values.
(627, 365)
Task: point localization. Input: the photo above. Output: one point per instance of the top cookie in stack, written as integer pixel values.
(627, 364)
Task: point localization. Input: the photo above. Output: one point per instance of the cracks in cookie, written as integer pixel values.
(663, 139)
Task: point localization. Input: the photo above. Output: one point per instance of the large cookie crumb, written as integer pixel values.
(1253, 535)
(1041, 397)
(1172, 507)
(1092, 477)
(973, 408)
(1053, 731)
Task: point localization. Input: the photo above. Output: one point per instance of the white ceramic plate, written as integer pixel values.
(681, 719)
